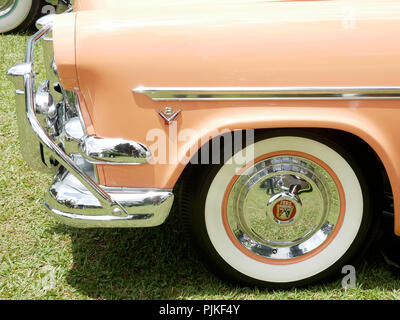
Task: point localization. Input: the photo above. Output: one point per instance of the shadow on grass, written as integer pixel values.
(158, 263)
(147, 263)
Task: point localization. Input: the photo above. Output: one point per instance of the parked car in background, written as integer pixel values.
(19, 15)
(273, 126)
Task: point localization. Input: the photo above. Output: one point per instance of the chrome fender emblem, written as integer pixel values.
(169, 114)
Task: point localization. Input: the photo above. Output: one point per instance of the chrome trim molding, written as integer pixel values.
(267, 93)
(71, 135)
(71, 203)
(45, 21)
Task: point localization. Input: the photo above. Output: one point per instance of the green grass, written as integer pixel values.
(42, 259)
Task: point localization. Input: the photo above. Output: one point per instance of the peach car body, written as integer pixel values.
(311, 44)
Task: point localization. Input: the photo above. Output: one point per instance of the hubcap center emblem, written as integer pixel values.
(284, 210)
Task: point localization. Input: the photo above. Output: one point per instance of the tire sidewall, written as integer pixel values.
(330, 260)
(19, 14)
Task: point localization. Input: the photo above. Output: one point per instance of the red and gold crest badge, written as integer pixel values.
(284, 210)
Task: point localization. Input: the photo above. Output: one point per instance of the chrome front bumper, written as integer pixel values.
(75, 198)
(67, 199)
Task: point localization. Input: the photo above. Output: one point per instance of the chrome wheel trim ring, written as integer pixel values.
(314, 264)
(283, 207)
(6, 6)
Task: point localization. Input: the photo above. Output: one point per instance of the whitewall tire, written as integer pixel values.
(18, 15)
(294, 215)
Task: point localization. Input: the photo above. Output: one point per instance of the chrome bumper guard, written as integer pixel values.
(67, 198)
(75, 198)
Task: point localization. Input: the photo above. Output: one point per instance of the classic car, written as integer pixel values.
(271, 126)
(19, 15)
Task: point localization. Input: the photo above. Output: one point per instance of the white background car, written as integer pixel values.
(19, 15)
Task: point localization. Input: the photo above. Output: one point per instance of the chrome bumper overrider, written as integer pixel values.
(53, 139)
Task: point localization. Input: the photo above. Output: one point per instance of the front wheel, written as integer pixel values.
(294, 215)
(18, 15)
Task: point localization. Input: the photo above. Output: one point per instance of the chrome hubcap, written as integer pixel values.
(6, 6)
(283, 207)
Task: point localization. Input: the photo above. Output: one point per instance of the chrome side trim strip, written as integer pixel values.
(267, 93)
